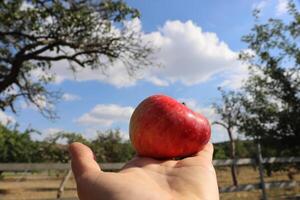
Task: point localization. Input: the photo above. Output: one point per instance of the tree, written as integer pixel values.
(271, 95)
(109, 146)
(54, 148)
(70, 137)
(88, 34)
(16, 146)
(229, 111)
(244, 149)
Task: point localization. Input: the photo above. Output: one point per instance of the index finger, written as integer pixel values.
(202, 158)
(207, 152)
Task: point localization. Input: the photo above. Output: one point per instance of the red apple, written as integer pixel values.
(161, 127)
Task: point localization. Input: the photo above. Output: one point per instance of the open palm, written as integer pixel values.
(146, 178)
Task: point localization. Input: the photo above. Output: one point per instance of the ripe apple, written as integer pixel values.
(163, 128)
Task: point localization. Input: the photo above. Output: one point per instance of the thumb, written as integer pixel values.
(82, 160)
(207, 152)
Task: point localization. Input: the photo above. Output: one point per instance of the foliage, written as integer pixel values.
(15, 146)
(51, 152)
(35, 34)
(244, 149)
(271, 100)
(228, 109)
(110, 147)
(67, 138)
(219, 152)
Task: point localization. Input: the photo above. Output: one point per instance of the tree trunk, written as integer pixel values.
(233, 157)
(12, 76)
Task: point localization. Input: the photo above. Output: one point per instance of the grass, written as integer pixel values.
(43, 185)
(250, 175)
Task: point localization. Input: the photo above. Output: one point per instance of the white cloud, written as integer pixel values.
(6, 119)
(40, 101)
(187, 54)
(70, 97)
(234, 78)
(51, 131)
(260, 5)
(156, 81)
(26, 6)
(115, 75)
(104, 115)
(282, 7)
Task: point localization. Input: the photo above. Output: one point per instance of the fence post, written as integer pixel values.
(63, 183)
(261, 172)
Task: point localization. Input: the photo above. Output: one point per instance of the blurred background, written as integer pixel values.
(74, 70)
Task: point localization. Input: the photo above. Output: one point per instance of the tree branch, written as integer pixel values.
(20, 34)
(12, 76)
(221, 124)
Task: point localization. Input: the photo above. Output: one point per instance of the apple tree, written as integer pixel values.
(16, 146)
(54, 148)
(271, 95)
(109, 146)
(34, 34)
(229, 111)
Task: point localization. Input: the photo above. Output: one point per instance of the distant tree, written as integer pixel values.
(271, 95)
(245, 148)
(220, 151)
(67, 137)
(16, 146)
(109, 146)
(34, 34)
(48, 151)
(54, 148)
(229, 110)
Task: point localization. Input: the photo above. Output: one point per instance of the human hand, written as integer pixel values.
(145, 178)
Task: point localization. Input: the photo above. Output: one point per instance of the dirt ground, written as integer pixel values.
(44, 185)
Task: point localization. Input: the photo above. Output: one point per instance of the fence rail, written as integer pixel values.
(249, 187)
(21, 167)
(15, 167)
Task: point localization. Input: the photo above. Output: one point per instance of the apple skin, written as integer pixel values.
(163, 128)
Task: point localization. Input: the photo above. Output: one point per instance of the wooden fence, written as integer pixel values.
(20, 167)
(26, 167)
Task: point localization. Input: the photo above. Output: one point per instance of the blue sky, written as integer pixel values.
(198, 41)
